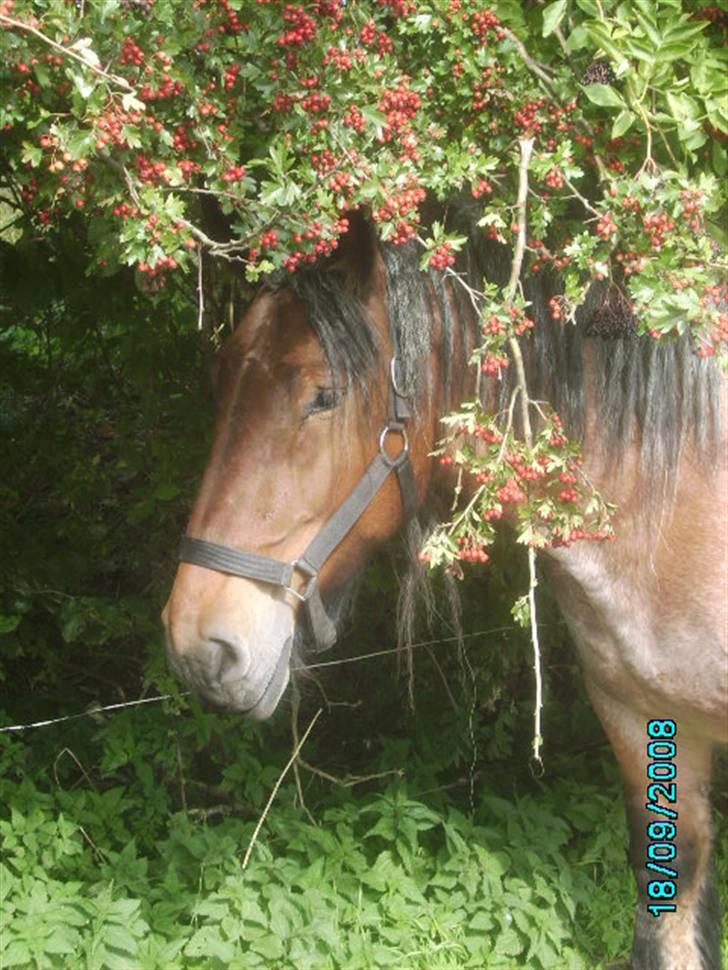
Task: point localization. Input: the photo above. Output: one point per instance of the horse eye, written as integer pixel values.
(327, 398)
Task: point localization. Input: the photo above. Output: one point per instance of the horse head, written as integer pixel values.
(306, 429)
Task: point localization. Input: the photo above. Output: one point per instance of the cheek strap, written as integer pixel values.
(263, 569)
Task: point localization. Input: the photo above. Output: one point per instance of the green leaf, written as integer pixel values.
(268, 946)
(622, 123)
(578, 39)
(603, 39)
(166, 491)
(552, 16)
(604, 95)
(719, 158)
(10, 622)
(85, 86)
(682, 106)
(131, 103)
(649, 27)
(508, 943)
(31, 153)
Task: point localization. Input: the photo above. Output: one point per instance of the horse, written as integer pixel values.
(330, 394)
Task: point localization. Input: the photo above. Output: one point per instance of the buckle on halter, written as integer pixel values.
(393, 365)
(305, 593)
(394, 427)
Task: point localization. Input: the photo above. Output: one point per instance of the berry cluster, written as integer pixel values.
(149, 171)
(606, 226)
(402, 208)
(483, 24)
(232, 24)
(269, 239)
(339, 57)
(482, 187)
(131, 53)
(511, 493)
(369, 36)
(398, 8)
(235, 173)
(315, 103)
(491, 365)
(538, 489)
(354, 119)
(657, 226)
(442, 257)
(302, 27)
(470, 550)
(399, 104)
(554, 179)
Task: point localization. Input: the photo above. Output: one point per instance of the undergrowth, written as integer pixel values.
(98, 873)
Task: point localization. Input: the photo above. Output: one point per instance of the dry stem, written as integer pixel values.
(526, 150)
(264, 815)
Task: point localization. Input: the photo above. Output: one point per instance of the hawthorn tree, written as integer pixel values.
(240, 133)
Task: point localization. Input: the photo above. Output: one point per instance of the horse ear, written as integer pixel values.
(356, 253)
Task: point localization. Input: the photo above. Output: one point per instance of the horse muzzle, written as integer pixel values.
(230, 662)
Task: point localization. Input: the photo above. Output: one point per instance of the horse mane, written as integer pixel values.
(660, 389)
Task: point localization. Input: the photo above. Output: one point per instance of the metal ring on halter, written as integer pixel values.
(311, 579)
(400, 430)
(393, 377)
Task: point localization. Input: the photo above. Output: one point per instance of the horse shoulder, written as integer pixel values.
(649, 611)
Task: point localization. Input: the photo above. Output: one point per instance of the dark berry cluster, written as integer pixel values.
(599, 72)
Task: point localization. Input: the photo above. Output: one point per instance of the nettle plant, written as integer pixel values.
(591, 134)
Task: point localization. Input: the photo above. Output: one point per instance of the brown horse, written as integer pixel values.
(331, 390)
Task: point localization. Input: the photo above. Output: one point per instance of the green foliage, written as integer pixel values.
(291, 116)
(384, 879)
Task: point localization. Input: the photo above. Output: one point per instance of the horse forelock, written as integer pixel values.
(419, 312)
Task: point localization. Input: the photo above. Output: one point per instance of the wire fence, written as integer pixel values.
(96, 710)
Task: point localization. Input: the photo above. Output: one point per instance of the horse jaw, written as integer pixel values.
(232, 647)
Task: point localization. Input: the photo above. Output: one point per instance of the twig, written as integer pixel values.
(99, 852)
(204, 813)
(509, 423)
(533, 66)
(295, 708)
(261, 820)
(200, 291)
(577, 195)
(78, 764)
(350, 780)
(526, 150)
(67, 52)
(538, 704)
(183, 793)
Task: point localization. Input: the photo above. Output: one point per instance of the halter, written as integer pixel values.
(275, 572)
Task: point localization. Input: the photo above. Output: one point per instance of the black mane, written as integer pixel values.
(662, 389)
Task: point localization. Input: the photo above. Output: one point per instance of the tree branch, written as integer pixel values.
(115, 79)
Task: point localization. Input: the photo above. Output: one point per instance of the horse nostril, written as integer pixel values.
(229, 662)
